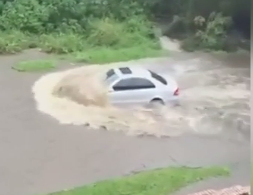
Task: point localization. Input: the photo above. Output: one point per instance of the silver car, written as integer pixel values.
(138, 86)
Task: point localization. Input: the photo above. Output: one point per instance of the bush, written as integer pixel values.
(211, 33)
(112, 33)
(61, 43)
(99, 31)
(96, 48)
(26, 15)
(14, 41)
(214, 34)
(37, 16)
(105, 32)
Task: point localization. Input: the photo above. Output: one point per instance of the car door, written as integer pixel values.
(132, 91)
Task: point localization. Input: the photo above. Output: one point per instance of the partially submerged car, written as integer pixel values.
(139, 86)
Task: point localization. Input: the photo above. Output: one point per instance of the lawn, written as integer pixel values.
(156, 182)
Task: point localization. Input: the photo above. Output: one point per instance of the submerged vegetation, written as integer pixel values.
(34, 65)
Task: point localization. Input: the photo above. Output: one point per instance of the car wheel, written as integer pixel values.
(156, 103)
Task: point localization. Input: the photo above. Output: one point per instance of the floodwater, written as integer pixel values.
(215, 94)
(214, 99)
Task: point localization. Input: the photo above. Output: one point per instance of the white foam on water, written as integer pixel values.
(79, 97)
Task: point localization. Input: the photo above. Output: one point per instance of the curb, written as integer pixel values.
(234, 190)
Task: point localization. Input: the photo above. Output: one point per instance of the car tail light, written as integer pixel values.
(176, 92)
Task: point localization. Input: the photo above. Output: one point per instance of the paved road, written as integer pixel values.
(38, 155)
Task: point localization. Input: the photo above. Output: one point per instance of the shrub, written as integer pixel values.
(214, 34)
(105, 32)
(94, 29)
(26, 15)
(37, 16)
(14, 41)
(61, 43)
(110, 32)
(211, 33)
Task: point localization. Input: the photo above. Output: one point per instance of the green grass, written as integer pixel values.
(155, 182)
(34, 65)
(105, 41)
(101, 55)
(74, 47)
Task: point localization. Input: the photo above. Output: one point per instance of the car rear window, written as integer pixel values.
(110, 73)
(158, 77)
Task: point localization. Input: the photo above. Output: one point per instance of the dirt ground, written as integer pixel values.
(39, 155)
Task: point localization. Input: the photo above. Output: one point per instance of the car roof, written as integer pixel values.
(132, 72)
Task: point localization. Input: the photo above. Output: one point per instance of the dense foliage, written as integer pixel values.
(93, 30)
(75, 25)
(206, 24)
(41, 16)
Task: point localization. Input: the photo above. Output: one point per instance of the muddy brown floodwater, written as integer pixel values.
(214, 97)
(215, 93)
(39, 156)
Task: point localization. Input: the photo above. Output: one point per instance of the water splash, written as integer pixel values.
(214, 99)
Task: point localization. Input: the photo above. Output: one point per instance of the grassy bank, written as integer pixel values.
(156, 182)
(107, 41)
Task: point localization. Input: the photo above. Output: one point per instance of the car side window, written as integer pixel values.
(133, 84)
